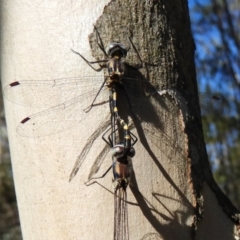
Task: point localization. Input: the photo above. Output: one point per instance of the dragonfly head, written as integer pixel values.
(116, 49)
(120, 151)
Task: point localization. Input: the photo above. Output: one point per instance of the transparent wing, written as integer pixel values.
(48, 93)
(56, 119)
(101, 128)
(121, 230)
(68, 97)
(159, 116)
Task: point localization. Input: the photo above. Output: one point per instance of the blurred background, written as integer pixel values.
(215, 28)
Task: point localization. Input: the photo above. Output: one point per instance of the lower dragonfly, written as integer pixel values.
(122, 154)
(122, 169)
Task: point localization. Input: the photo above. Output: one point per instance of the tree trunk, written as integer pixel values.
(172, 182)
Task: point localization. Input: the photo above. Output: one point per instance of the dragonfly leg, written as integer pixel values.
(100, 45)
(90, 63)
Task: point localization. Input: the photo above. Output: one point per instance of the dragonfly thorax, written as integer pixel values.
(115, 68)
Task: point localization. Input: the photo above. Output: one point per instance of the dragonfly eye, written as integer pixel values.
(131, 152)
(116, 48)
(117, 149)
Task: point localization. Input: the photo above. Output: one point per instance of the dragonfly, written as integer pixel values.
(122, 169)
(70, 101)
(122, 154)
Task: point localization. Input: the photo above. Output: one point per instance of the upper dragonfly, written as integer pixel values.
(72, 100)
(67, 97)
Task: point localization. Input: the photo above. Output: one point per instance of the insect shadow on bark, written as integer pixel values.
(149, 112)
(140, 101)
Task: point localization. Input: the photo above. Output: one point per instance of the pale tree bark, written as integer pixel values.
(172, 183)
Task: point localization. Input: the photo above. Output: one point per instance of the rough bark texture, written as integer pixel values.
(161, 34)
(167, 197)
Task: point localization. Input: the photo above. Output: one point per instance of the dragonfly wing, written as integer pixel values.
(48, 93)
(155, 116)
(121, 230)
(101, 128)
(58, 118)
